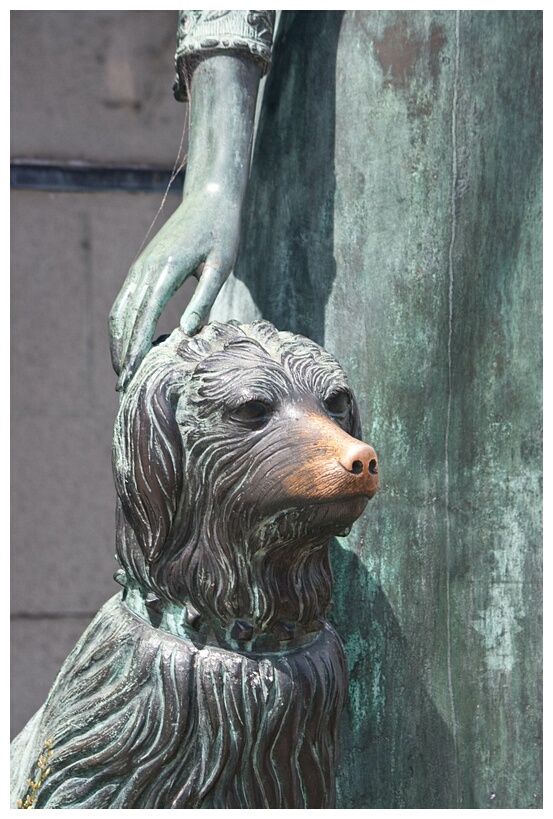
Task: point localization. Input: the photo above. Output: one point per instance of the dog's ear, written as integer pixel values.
(148, 455)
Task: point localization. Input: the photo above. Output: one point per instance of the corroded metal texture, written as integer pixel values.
(214, 680)
(395, 217)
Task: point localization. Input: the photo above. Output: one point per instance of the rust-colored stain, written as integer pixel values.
(398, 52)
(399, 49)
(437, 41)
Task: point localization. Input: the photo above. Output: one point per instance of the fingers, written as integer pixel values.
(140, 307)
(119, 330)
(173, 255)
(142, 311)
(212, 279)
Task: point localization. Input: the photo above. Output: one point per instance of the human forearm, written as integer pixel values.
(222, 108)
(221, 57)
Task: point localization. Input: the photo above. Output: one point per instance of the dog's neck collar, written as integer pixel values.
(185, 622)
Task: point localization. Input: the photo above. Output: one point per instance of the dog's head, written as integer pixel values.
(236, 456)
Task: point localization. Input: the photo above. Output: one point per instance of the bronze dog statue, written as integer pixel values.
(214, 679)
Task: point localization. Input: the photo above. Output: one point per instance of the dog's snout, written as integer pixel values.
(359, 459)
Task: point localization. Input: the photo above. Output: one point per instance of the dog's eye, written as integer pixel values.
(338, 405)
(253, 414)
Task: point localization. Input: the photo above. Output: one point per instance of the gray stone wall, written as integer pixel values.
(94, 87)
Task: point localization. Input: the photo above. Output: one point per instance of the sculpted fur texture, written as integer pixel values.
(214, 679)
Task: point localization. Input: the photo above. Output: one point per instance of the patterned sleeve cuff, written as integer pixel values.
(204, 32)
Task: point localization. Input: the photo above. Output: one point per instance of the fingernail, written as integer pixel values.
(189, 323)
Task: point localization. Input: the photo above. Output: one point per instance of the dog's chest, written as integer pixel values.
(269, 726)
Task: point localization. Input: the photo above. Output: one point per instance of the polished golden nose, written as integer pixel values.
(359, 459)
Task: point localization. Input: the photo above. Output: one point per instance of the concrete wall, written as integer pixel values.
(95, 87)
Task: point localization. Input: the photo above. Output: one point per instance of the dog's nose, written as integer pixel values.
(359, 459)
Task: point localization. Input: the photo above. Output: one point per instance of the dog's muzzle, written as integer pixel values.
(311, 460)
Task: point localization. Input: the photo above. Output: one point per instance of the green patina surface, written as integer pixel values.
(395, 217)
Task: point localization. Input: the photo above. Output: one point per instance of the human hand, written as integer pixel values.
(200, 239)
